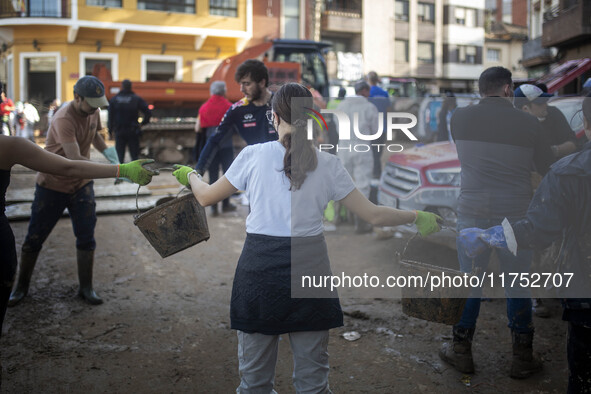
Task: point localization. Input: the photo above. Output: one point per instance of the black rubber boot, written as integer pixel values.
(27, 265)
(459, 353)
(525, 362)
(85, 263)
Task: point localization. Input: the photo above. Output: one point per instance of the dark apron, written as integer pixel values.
(261, 294)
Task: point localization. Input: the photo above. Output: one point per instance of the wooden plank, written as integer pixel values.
(22, 211)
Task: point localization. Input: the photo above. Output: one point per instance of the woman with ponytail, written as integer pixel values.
(289, 183)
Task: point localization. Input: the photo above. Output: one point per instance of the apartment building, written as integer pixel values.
(505, 32)
(438, 42)
(46, 45)
(567, 26)
(537, 58)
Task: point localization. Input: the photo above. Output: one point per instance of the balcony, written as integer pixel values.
(535, 54)
(34, 9)
(342, 16)
(567, 24)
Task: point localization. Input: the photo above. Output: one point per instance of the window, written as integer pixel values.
(91, 65)
(400, 51)
(460, 16)
(507, 11)
(426, 12)
(160, 71)
(401, 10)
(184, 6)
(223, 7)
(465, 16)
(105, 3)
(493, 55)
(470, 17)
(44, 8)
(103, 64)
(467, 54)
(291, 19)
(425, 52)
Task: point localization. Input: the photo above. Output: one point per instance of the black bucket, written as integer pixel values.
(174, 225)
(440, 304)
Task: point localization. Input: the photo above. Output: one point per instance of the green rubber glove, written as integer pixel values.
(136, 172)
(427, 223)
(181, 174)
(111, 155)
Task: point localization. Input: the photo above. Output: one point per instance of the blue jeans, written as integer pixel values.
(223, 158)
(518, 299)
(47, 209)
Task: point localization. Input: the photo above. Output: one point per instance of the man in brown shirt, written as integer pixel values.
(74, 127)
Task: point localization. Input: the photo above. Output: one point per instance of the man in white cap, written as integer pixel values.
(555, 128)
(74, 128)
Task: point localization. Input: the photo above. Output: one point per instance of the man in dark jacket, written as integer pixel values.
(124, 111)
(560, 211)
(497, 147)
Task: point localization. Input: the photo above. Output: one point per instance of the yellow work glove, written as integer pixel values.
(427, 223)
(181, 174)
(135, 171)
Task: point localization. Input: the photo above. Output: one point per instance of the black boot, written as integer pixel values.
(525, 362)
(85, 263)
(459, 353)
(27, 265)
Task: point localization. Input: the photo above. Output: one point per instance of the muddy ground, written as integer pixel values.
(164, 326)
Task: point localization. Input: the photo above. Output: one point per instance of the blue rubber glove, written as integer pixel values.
(475, 241)
(111, 155)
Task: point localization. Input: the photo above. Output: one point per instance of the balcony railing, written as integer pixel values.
(351, 8)
(34, 9)
(567, 24)
(534, 53)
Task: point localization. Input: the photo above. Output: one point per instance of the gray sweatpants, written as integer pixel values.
(257, 356)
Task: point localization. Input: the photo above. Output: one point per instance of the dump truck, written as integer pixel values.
(170, 136)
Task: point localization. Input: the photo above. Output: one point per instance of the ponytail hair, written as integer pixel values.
(300, 155)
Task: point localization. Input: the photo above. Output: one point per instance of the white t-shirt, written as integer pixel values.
(274, 209)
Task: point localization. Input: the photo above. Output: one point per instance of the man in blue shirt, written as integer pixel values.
(124, 110)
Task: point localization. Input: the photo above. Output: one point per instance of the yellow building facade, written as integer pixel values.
(46, 45)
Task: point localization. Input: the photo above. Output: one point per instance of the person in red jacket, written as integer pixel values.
(211, 114)
(6, 108)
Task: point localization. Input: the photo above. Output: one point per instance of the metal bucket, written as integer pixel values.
(440, 305)
(174, 225)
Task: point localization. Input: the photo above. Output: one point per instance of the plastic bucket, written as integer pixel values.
(174, 225)
(437, 304)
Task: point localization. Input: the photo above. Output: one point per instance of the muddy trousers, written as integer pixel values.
(47, 209)
(579, 358)
(257, 356)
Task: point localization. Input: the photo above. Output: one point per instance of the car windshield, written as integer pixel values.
(571, 109)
